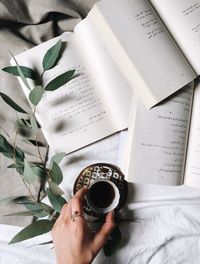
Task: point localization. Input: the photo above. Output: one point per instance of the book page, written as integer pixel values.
(192, 168)
(110, 82)
(157, 140)
(142, 48)
(74, 115)
(182, 18)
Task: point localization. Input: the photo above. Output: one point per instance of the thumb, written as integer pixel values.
(102, 235)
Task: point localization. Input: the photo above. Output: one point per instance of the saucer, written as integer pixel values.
(99, 171)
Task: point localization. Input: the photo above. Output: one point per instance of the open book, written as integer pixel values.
(93, 105)
(155, 43)
(164, 143)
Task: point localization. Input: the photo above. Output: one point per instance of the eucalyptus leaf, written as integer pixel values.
(34, 206)
(36, 95)
(9, 151)
(35, 229)
(19, 155)
(28, 174)
(20, 169)
(6, 148)
(38, 171)
(52, 55)
(11, 166)
(40, 214)
(56, 201)
(25, 213)
(28, 72)
(57, 158)
(19, 166)
(34, 124)
(113, 243)
(12, 104)
(23, 200)
(46, 243)
(21, 73)
(35, 142)
(59, 81)
(23, 123)
(54, 188)
(12, 199)
(56, 173)
(39, 209)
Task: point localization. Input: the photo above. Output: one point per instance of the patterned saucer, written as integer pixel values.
(102, 171)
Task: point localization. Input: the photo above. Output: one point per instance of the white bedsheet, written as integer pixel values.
(167, 228)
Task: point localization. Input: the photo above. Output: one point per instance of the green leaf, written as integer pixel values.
(57, 158)
(112, 244)
(56, 173)
(28, 174)
(11, 166)
(56, 201)
(23, 123)
(25, 213)
(19, 166)
(39, 209)
(34, 207)
(33, 123)
(59, 81)
(8, 150)
(46, 243)
(21, 73)
(28, 72)
(35, 229)
(35, 142)
(52, 55)
(19, 155)
(38, 171)
(55, 188)
(22, 200)
(36, 95)
(12, 104)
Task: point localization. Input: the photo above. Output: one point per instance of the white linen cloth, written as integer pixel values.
(167, 230)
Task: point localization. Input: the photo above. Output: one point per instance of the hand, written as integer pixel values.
(74, 243)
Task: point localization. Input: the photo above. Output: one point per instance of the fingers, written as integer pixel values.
(78, 200)
(106, 229)
(65, 212)
(81, 193)
(75, 204)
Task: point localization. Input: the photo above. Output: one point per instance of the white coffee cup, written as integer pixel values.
(103, 196)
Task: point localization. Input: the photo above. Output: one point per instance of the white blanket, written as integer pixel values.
(167, 229)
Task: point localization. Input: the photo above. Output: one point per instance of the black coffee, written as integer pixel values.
(101, 194)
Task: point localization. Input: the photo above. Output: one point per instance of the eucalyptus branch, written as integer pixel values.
(50, 60)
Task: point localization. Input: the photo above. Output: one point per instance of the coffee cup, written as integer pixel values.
(103, 196)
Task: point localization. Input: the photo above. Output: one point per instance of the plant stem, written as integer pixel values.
(28, 188)
(14, 159)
